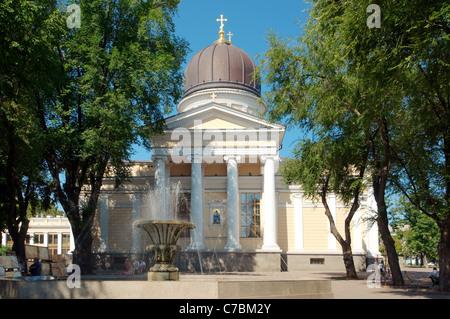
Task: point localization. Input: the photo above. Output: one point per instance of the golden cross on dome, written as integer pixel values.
(221, 31)
(229, 34)
(221, 20)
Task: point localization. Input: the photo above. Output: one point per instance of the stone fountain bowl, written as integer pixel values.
(164, 235)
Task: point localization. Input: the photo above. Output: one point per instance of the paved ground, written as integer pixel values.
(417, 284)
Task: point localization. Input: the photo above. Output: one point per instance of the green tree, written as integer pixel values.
(24, 27)
(420, 234)
(423, 238)
(320, 83)
(395, 78)
(40, 207)
(116, 76)
(420, 139)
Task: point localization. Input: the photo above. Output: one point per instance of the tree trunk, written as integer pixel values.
(17, 220)
(81, 220)
(82, 255)
(382, 165)
(444, 256)
(82, 233)
(389, 243)
(348, 261)
(444, 224)
(19, 246)
(345, 244)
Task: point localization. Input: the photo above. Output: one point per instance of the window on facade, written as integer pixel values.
(38, 238)
(317, 261)
(52, 243)
(250, 215)
(65, 243)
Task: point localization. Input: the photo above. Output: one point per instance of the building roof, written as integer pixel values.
(221, 65)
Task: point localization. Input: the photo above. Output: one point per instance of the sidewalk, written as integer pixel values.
(417, 285)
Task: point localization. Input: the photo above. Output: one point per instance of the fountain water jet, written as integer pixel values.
(164, 229)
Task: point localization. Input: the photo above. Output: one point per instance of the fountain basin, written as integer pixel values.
(164, 235)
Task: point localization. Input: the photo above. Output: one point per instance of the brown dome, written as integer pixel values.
(221, 65)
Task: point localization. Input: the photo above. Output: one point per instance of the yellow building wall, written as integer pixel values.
(182, 169)
(217, 123)
(315, 222)
(251, 169)
(283, 233)
(143, 170)
(251, 243)
(216, 170)
(119, 229)
(290, 229)
(315, 229)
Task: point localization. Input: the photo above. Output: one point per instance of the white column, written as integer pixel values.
(371, 225)
(31, 238)
(167, 176)
(270, 231)
(197, 205)
(160, 187)
(332, 243)
(45, 238)
(59, 243)
(104, 224)
(72, 241)
(4, 239)
(232, 203)
(298, 222)
(136, 215)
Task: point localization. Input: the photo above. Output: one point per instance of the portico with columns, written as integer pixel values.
(243, 151)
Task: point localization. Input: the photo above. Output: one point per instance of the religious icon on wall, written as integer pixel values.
(216, 216)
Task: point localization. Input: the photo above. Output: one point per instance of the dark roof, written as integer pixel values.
(221, 65)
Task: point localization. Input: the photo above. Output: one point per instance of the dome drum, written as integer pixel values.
(223, 85)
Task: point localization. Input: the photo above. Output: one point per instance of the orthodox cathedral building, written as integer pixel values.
(220, 158)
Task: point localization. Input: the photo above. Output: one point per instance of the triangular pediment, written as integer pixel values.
(220, 117)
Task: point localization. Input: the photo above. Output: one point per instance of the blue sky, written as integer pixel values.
(249, 21)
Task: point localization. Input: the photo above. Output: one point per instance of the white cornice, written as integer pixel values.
(224, 112)
(249, 102)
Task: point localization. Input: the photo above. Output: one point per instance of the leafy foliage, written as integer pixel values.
(86, 94)
(419, 234)
(383, 90)
(24, 40)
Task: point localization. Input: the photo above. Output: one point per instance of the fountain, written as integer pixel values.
(164, 235)
(164, 229)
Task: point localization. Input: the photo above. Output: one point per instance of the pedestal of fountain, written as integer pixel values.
(164, 235)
